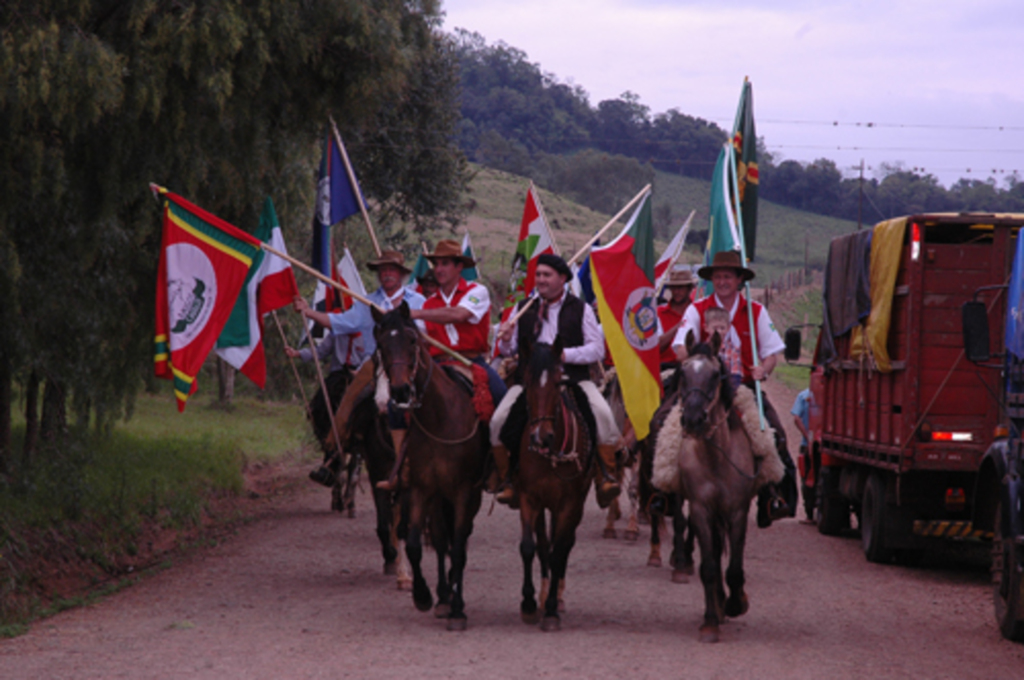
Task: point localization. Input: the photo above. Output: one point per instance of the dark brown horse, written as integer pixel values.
(718, 477)
(446, 449)
(553, 477)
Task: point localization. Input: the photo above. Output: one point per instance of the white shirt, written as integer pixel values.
(768, 340)
(592, 349)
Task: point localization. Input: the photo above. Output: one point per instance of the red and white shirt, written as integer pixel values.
(468, 337)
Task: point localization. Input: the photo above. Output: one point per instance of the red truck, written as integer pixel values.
(902, 422)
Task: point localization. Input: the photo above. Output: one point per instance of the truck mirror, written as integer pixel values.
(792, 351)
(975, 327)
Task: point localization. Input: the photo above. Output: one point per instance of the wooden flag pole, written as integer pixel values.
(355, 185)
(302, 390)
(351, 293)
(586, 246)
(547, 225)
(323, 384)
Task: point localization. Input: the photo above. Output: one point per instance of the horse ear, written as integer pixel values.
(403, 309)
(376, 313)
(556, 349)
(690, 341)
(716, 342)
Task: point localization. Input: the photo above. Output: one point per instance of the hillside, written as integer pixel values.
(496, 207)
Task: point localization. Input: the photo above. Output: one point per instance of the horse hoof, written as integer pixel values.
(561, 606)
(737, 607)
(631, 535)
(422, 599)
(530, 618)
(679, 576)
(688, 569)
(709, 633)
(550, 623)
(405, 584)
(654, 561)
(609, 533)
(457, 623)
(442, 610)
(391, 569)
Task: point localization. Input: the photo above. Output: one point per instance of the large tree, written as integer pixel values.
(220, 100)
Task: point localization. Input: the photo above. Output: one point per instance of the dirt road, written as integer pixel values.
(301, 595)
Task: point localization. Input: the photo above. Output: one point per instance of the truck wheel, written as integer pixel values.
(872, 514)
(833, 509)
(1007, 564)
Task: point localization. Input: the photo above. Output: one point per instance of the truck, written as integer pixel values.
(908, 434)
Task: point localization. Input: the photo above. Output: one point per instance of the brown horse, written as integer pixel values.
(553, 477)
(718, 477)
(446, 449)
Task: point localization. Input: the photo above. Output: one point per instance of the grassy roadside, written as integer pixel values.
(90, 514)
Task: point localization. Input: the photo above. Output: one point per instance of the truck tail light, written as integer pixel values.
(956, 499)
(952, 437)
(915, 241)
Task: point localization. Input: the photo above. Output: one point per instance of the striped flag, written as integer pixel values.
(269, 285)
(622, 274)
(534, 240)
(204, 262)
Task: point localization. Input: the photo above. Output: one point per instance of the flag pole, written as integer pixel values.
(355, 185)
(295, 371)
(547, 225)
(585, 247)
(351, 293)
(323, 387)
(743, 258)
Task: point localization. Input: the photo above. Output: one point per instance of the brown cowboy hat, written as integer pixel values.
(451, 249)
(680, 276)
(392, 257)
(726, 259)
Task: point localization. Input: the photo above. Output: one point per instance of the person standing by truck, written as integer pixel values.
(726, 274)
(801, 412)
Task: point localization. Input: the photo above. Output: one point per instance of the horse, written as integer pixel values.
(553, 478)
(718, 475)
(446, 449)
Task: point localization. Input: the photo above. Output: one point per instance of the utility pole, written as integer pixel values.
(860, 198)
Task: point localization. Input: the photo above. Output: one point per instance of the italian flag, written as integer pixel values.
(622, 274)
(204, 262)
(269, 285)
(672, 251)
(534, 240)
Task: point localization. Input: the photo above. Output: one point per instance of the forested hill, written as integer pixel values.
(517, 118)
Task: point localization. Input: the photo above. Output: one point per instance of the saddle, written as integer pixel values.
(573, 397)
(473, 379)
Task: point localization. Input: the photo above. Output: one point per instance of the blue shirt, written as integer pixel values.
(360, 320)
(802, 410)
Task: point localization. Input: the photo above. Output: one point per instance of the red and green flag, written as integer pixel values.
(622, 274)
(269, 286)
(534, 240)
(204, 262)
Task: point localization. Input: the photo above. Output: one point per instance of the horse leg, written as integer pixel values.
(348, 497)
(563, 537)
(543, 555)
(441, 539)
(682, 541)
(461, 528)
(657, 526)
(737, 603)
(709, 568)
(399, 534)
(632, 532)
(613, 514)
(527, 549)
(385, 530)
(421, 596)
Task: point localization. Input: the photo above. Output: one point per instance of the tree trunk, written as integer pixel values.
(54, 422)
(31, 420)
(225, 382)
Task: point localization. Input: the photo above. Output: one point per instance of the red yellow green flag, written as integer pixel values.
(622, 274)
(203, 265)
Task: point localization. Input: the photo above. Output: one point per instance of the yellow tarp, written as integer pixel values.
(886, 249)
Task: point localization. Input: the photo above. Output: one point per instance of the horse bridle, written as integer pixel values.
(569, 425)
(414, 396)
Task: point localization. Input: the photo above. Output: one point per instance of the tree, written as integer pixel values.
(222, 101)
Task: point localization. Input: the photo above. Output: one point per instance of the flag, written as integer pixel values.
(335, 200)
(1014, 328)
(468, 273)
(622, 274)
(329, 299)
(419, 270)
(534, 240)
(204, 262)
(269, 285)
(672, 251)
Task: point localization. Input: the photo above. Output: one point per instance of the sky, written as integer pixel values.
(933, 86)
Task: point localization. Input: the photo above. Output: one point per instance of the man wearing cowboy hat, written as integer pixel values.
(557, 313)
(679, 284)
(726, 274)
(391, 272)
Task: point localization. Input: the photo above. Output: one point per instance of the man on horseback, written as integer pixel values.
(558, 313)
(679, 284)
(726, 273)
(391, 272)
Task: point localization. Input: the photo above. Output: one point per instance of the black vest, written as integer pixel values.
(570, 329)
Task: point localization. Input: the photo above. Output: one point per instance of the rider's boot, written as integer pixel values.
(499, 483)
(391, 483)
(607, 486)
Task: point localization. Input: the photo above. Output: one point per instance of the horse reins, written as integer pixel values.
(709, 437)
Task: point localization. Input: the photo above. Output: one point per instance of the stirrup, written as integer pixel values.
(323, 475)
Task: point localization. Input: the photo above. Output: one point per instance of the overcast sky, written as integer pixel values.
(941, 82)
